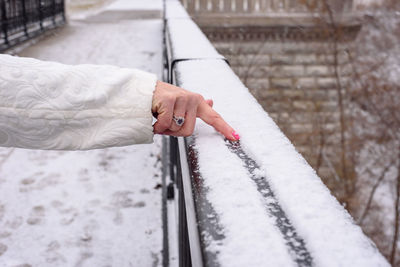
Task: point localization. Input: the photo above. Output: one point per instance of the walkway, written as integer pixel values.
(90, 208)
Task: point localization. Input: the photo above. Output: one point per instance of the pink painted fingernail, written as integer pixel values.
(235, 135)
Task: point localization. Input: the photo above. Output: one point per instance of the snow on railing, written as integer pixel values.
(250, 203)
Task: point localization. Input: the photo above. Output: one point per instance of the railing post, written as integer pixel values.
(54, 11)
(4, 21)
(227, 6)
(40, 12)
(24, 18)
(191, 7)
(251, 6)
(63, 10)
(183, 238)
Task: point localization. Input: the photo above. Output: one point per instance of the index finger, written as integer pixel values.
(211, 117)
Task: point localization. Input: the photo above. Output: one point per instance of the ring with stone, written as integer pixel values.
(179, 120)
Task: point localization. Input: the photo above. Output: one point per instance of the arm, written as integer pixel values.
(46, 105)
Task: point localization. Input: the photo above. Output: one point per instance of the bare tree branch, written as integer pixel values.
(397, 215)
(371, 195)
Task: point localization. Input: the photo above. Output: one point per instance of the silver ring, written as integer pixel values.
(179, 120)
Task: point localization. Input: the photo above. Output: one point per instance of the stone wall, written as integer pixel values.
(291, 54)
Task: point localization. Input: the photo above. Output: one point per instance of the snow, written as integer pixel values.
(87, 208)
(184, 30)
(327, 229)
(123, 44)
(114, 10)
(94, 207)
(248, 229)
(100, 207)
(81, 9)
(329, 232)
(174, 10)
(127, 10)
(126, 5)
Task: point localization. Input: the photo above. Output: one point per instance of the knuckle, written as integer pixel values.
(182, 98)
(199, 97)
(170, 98)
(196, 98)
(164, 124)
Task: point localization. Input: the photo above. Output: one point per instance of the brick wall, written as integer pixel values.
(290, 55)
(296, 84)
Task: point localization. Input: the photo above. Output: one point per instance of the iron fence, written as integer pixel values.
(23, 19)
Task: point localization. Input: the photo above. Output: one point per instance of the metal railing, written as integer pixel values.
(304, 227)
(21, 20)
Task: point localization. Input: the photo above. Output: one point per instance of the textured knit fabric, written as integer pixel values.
(47, 105)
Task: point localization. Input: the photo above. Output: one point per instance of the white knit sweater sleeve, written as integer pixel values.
(47, 105)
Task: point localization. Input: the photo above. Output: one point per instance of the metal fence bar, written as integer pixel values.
(4, 21)
(54, 11)
(193, 256)
(39, 10)
(24, 18)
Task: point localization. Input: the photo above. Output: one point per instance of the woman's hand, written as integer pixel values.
(171, 104)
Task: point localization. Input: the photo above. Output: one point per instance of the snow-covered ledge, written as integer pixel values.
(257, 202)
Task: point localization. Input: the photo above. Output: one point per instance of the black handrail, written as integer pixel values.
(192, 198)
(182, 164)
(24, 19)
(190, 194)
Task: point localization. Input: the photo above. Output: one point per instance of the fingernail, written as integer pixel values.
(235, 135)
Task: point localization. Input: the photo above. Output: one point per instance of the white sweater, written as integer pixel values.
(47, 105)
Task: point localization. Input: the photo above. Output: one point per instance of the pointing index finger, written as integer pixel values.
(211, 117)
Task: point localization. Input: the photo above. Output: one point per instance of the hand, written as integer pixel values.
(170, 101)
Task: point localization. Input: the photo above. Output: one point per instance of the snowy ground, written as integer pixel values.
(91, 208)
(80, 9)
